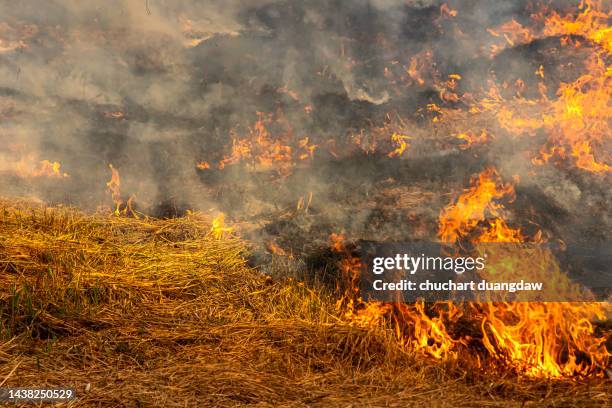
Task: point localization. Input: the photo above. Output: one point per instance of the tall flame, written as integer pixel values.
(550, 339)
(114, 186)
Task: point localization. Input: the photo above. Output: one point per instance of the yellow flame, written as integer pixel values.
(114, 186)
(218, 229)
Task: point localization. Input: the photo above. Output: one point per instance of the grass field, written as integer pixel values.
(144, 312)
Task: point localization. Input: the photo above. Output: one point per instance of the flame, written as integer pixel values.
(544, 339)
(476, 205)
(471, 138)
(549, 339)
(576, 122)
(269, 144)
(28, 167)
(537, 339)
(218, 229)
(307, 149)
(513, 33)
(580, 119)
(114, 187)
(446, 11)
(52, 169)
(590, 23)
(420, 330)
(419, 67)
(273, 248)
(195, 33)
(499, 231)
(262, 150)
(400, 143)
(45, 168)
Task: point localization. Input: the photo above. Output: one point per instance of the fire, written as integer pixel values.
(580, 119)
(471, 138)
(591, 23)
(513, 33)
(569, 124)
(413, 326)
(114, 187)
(270, 144)
(273, 248)
(544, 339)
(46, 168)
(576, 121)
(550, 339)
(446, 11)
(240, 149)
(218, 229)
(307, 149)
(420, 66)
(29, 166)
(400, 143)
(499, 231)
(51, 169)
(477, 204)
(537, 339)
(196, 32)
(263, 150)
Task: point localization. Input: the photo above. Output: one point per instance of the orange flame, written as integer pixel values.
(419, 68)
(538, 339)
(114, 186)
(471, 138)
(203, 165)
(590, 23)
(263, 150)
(544, 339)
(581, 117)
(551, 339)
(475, 205)
(576, 122)
(29, 166)
(413, 326)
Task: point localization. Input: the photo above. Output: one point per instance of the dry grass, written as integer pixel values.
(159, 313)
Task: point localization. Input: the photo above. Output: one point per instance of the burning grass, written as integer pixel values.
(149, 312)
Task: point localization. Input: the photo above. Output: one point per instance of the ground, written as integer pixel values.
(144, 312)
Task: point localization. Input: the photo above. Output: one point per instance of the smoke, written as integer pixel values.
(155, 87)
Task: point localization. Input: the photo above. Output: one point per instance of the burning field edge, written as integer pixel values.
(152, 312)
